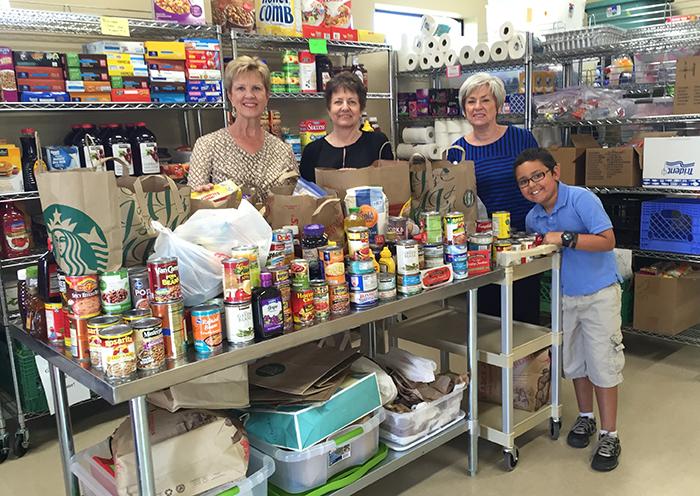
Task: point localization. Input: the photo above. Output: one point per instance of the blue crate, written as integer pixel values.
(671, 224)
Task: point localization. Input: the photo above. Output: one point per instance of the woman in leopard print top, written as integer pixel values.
(243, 151)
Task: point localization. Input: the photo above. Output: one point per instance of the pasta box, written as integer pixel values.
(29, 72)
(172, 50)
(167, 76)
(41, 85)
(44, 96)
(203, 74)
(204, 86)
(131, 95)
(165, 87)
(180, 11)
(201, 44)
(130, 82)
(168, 97)
(91, 97)
(38, 59)
(76, 74)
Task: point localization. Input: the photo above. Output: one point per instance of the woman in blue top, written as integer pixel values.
(493, 148)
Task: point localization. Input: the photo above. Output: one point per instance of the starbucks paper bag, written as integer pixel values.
(454, 189)
(83, 219)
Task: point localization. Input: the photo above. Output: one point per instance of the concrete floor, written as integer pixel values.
(658, 425)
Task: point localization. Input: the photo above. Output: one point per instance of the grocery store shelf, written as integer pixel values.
(66, 106)
(627, 121)
(9, 263)
(22, 196)
(321, 96)
(664, 255)
(249, 41)
(689, 337)
(429, 119)
(640, 191)
(505, 66)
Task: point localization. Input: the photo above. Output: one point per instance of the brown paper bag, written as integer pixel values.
(421, 180)
(454, 188)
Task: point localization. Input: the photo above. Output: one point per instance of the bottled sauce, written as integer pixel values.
(15, 237)
(359, 70)
(314, 238)
(29, 158)
(324, 72)
(354, 219)
(117, 145)
(386, 261)
(268, 314)
(145, 150)
(48, 277)
(22, 294)
(35, 322)
(90, 148)
(74, 129)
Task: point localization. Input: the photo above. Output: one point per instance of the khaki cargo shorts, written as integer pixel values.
(593, 338)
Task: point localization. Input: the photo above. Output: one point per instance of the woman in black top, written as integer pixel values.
(346, 145)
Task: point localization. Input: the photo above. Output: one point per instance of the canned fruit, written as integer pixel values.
(236, 281)
(501, 224)
(206, 328)
(239, 323)
(115, 293)
(454, 232)
(118, 351)
(150, 348)
(164, 279)
(83, 295)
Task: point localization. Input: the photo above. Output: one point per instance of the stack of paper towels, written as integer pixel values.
(431, 141)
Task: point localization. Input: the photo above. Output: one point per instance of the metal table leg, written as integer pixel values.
(507, 349)
(556, 330)
(65, 429)
(472, 400)
(142, 444)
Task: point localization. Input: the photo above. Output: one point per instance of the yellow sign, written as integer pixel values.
(114, 26)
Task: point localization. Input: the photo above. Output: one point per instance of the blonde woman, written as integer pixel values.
(243, 151)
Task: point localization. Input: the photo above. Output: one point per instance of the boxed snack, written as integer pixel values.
(168, 97)
(38, 59)
(134, 47)
(10, 168)
(203, 55)
(172, 50)
(39, 72)
(131, 95)
(91, 97)
(320, 32)
(8, 87)
(164, 87)
(167, 76)
(127, 70)
(203, 98)
(201, 44)
(166, 65)
(129, 82)
(370, 36)
(233, 14)
(44, 96)
(203, 74)
(203, 64)
(75, 74)
(278, 17)
(203, 86)
(338, 14)
(86, 60)
(59, 158)
(88, 86)
(41, 85)
(180, 11)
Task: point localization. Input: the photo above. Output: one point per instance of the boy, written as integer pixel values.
(574, 218)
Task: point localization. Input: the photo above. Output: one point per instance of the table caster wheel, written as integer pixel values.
(510, 458)
(21, 443)
(554, 428)
(4, 447)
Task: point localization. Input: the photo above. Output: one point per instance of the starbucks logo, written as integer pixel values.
(78, 241)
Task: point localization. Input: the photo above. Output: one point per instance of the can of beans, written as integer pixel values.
(322, 302)
(140, 291)
(79, 341)
(285, 289)
(332, 262)
(339, 297)
(150, 348)
(280, 274)
(456, 255)
(173, 317)
(236, 280)
(396, 229)
(83, 295)
(115, 293)
(454, 232)
(206, 328)
(433, 255)
(95, 325)
(299, 271)
(164, 279)
(251, 253)
(483, 226)
(303, 307)
(55, 322)
(362, 282)
(407, 261)
(118, 351)
(358, 243)
(431, 226)
(239, 323)
(501, 224)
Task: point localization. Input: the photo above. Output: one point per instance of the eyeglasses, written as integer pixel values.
(535, 178)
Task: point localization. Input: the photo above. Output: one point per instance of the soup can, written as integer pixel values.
(454, 232)
(358, 243)
(118, 351)
(396, 229)
(457, 256)
(94, 326)
(299, 272)
(280, 274)
(303, 307)
(164, 279)
(236, 280)
(173, 317)
(251, 253)
(484, 226)
(206, 328)
(431, 226)
(115, 293)
(239, 323)
(79, 338)
(285, 289)
(332, 262)
(139, 285)
(501, 224)
(322, 302)
(55, 322)
(479, 261)
(83, 295)
(407, 260)
(150, 348)
(339, 297)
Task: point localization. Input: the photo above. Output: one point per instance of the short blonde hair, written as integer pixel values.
(479, 79)
(245, 64)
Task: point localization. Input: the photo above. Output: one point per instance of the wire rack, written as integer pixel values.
(9, 263)
(689, 337)
(64, 106)
(646, 120)
(664, 255)
(641, 191)
(320, 96)
(23, 196)
(249, 41)
(505, 66)
(429, 119)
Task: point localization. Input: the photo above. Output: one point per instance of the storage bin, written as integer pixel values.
(31, 391)
(405, 428)
(300, 471)
(96, 481)
(627, 14)
(671, 224)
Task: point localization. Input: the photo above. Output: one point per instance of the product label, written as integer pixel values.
(272, 315)
(149, 158)
(123, 151)
(239, 324)
(339, 455)
(310, 254)
(16, 237)
(92, 154)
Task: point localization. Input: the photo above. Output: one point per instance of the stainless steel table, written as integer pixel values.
(192, 366)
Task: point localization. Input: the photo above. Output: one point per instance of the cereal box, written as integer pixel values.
(180, 11)
(338, 13)
(278, 17)
(234, 14)
(8, 87)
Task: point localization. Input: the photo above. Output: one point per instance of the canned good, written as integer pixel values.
(276, 259)
(408, 279)
(478, 262)
(501, 224)
(362, 282)
(484, 226)
(322, 302)
(94, 326)
(285, 290)
(386, 286)
(407, 261)
(61, 277)
(79, 340)
(358, 266)
(421, 257)
(275, 246)
(118, 351)
(456, 255)
(433, 255)
(480, 241)
(290, 57)
(388, 294)
(136, 314)
(303, 307)
(148, 339)
(206, 328)
(55, 322)
(411, 290)
(164, 280)
(299, 271)
(364, 299)
(358, 243)
(339, 297)
(528, 242)
(280, 274)
(431, 226)
(501, 245)
(173, 317)
(283, 235)
(251, 253)
(83, 295)
(332, 262)
(239, 323)
(516, 246)
(115, 294)
(396, 229)
(140, 291)
(454, 232)
(236, 280)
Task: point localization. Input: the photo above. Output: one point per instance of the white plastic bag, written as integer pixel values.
(412, 367)
(219, 230)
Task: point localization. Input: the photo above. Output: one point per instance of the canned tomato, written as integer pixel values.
(79, 343)
(364, 299)
(332, 262)
(358, 243)
(236, 280)
(454, 232)
(303, 307)
(299, 271)
(206, 328)
(362, 282)
(55, 322)
(431, 226)
(239, 323)
(501, 224)
(396, 229)
(484, 226)
(339, 297)
(249, 252)
(456, 255)
(407, 261)
(118, 351)
(115, 293)
(94, 326)
(285, 289)
(173, 317)
(136, 314)
(138, 282)
(480, 241)
(280, 274)
(322, 302)
(164, 280)
(83, 295)
(150, 348)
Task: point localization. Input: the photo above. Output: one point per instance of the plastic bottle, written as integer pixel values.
(29, 158)
(48, 276)
(15, 237)
(89, 153)
(35, 322)
(359, 70)
(145, 150)
(374, 261)
(22, 294)
(117, 145)
(268, 313)
(307, 72)
(386, 261)
(324, 72)
(74, 129)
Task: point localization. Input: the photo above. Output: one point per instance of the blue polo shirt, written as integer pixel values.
(579, 211)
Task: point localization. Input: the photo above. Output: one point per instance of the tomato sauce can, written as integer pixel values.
(285, 289)
(150, 348)
(140, 290)
(206, 328)
(339, 296)
(83, 295)
(332, 263)
(454, 232)
(173, 317)
(239, 323)
(55, 322)
(115, 293)
(501, 224)
(484, 226)
(251, 253)
(407, 259)
(236, 280)
(431, 226)
(358, 243)
(322, 301)
(299, 270)
(303, 312)
(79, 340)
(164, 280)
(95, 325)
(118, 351)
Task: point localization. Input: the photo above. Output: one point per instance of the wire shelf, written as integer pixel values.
(73, 106)
(9, 263)
(22, 196)
(664, 255)
(506, 65)
(641, 191)
(429, 119)
(249, 41)
(689, 337)
(627, 121)
(321, 96)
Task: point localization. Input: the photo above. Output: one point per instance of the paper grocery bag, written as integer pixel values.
(454, 188)
(83, 218)
(421, 180)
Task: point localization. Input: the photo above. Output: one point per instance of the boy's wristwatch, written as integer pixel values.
(569, 239)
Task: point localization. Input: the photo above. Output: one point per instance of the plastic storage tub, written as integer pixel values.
(300, 471)
(671, 224)
(627, 14)
(405, 428)
(95, 481)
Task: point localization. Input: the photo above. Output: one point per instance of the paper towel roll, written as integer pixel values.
(415, 135)
(466, 55)
(408, 62)
(442, 140)
(499, 51)
(404, 151)
(454, 137)
(440, 127)
(431, 44)
(425, 63)
(428, 25)
(430, 150)
(454, 126)
(437, 60)
(444, 42)
(418, 45)
(516, 47)
(506, 31)
(482, 53)
(451, 57)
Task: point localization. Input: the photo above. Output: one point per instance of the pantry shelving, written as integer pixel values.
(21, 196)
(90, 106)
(611, 190)
(689, 337)
(321, 96)
(627, 121)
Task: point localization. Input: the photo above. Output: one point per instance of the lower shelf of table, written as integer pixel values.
(689, 337)
(490, 422)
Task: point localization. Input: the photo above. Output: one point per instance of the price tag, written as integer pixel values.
(114, 26)
(454, 71)
(318, 46)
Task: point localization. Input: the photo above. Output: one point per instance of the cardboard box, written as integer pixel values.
(172, 50)
(672, 162)
(134, 47)
(320, 32)
(41, 85)
(38, 59)
(666, 305)
(203, 74)
(131, 95)
(166, 65)
(168, 97)
(8, 87)
(343, 34)
(204, 86)
(201, 44)
(162, 87)
(167, 76)
(572, 159)
(91, 97)
(617, 166)
(370, 36)
(75, 74)
(86, 60)
(193, 13)
(44, 96)
(687, 96)
(128, 82)
(88, 86)
(39, 73)
(203, 64)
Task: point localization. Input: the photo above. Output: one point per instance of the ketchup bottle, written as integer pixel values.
(15, 237)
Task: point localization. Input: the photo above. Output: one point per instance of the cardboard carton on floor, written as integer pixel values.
(572, 159)
(687, 96)
(666, 305)
(672, 162)
(616, 166)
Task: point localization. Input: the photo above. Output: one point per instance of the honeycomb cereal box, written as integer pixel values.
(278, 17)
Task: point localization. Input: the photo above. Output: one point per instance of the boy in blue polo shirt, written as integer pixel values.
(574, 219)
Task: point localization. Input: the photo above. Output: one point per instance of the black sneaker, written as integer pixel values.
(580, 434)
(606, 453)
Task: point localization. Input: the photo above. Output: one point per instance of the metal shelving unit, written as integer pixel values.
(321, 96)
(689, 337)
(506, 65)
(613, 190)
(429, 119)
(664, 255)
(23, 196)
(628, 121)
(89, 106)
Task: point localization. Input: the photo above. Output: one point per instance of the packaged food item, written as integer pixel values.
(339, 298)
(338, 13)
(148, 340)
(37, 59)
(110, 46)
(129, 82)
(55, 322)
(41, 85)
(28, 72)
(8, 87)
(174, 50)
(211, 44)
(79, 335)
(118, 351)
(173, 323)
(268, 309)
(77, 74)
(236, 281)
(94, 326)
(131, 95)
(60, 158)
(322, 303)
(501, 224)
(206, 328)
(90, 87)
(201, 74)
(303, 311)
(436, 276)
(83, 295)
(90, 97)
(386, 286)
(166, 65)
(219, 193)
(358, 243)
(86, 60)
(10, 169)
(115, 292)
(454, 232)
(278, 17)
(311, 130)
(239, 323)
(180, 11)
(407, 261)
(307, 72)
(203, 86)
(373, 205)
(44, 96)
(457, 257)
(164, 279)
(167, 87)
(168, 97)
